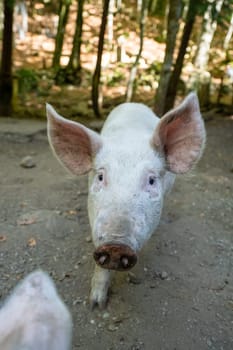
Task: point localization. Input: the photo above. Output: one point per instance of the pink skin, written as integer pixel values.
(131, 166)
(34, 317)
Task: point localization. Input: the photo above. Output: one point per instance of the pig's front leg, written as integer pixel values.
(99, 287)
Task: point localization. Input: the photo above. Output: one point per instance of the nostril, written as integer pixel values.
(125, 262)
(102, 259)
(128, 261)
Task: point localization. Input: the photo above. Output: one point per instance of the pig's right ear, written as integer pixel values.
(74, 145)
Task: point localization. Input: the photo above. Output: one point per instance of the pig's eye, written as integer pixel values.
(99, 181)
(151, 180)
(100, 177)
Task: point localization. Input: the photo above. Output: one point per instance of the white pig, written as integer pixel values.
(132, 164)
(34, 317)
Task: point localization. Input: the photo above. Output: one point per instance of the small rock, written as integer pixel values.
(133, 279)
(106, 315)
(77, 301)
(118, 320)
(88, 239)
(163, 275)
(112, 328)
(27, 162)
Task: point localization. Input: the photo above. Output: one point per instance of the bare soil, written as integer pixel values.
(179, 295)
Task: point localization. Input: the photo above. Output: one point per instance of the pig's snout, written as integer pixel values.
(116, 256)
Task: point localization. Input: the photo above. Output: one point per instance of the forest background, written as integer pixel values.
(86, 56)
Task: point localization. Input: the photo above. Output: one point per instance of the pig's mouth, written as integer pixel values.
(115, 256)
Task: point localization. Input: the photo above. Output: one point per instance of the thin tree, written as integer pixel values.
(175, 11)
(175, 76)
(157, 8)
(64, 7)
(74, 65)
(131, 83)
(208, 29)
(6, 80)
(110, 25)
(97, 72)
(228, 35)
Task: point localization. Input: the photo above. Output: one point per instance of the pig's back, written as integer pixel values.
(130, 117)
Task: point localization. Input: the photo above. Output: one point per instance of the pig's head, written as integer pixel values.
(130, 170)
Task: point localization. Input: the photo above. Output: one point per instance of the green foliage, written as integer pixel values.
(225, 14)
(126, 25)
(27, 81)
(10, 3)
(68, 76)
(115, 78)
(157, 8)
(150, 76)
(155, 68)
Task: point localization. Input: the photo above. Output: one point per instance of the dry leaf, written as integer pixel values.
(72, 212)
(31, 242)
(27, 221)
(2, 239)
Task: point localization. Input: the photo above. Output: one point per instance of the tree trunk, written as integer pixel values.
(208, 30)
(175, 76)
(175, 11)
(228, 35)
(160, 9)
(97, 73)
(139, 6)
(133, 73)
(6, 80)
(118, 5)
(110, 23)
(152, 7)
(63, 17)
(74, 65)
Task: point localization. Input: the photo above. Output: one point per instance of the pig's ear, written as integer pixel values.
(180, 136)
(73, 144)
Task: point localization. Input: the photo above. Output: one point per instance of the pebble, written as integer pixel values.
(163, 275)
(27, 162)
(77, 301)
(112, 328)
(88, 239)
(133, 279)
(106, 315)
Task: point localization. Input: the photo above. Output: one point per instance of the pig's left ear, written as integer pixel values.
(73, 144)
(180, 136)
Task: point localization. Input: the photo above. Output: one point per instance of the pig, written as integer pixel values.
(132, 165)
(34, 317)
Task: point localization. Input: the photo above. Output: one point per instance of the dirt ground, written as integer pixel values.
(180, 294)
